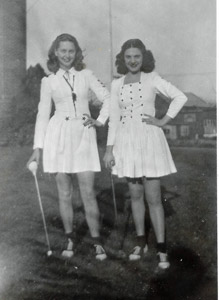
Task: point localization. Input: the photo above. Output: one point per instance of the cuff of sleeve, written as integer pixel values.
(110, 141)
(35, 146)
(102, 119)
(172, 116)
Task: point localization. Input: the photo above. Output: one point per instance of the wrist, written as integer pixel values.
(165, 120)
(98, 123)
(109, 149)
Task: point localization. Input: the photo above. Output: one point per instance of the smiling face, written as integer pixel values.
(66, 54)
(133, 59)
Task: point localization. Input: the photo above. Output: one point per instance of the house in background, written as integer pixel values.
(197, 119)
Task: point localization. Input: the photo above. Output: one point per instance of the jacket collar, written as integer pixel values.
(61, 72)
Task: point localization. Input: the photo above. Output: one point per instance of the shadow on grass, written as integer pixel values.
(184, 278)
(123, 206)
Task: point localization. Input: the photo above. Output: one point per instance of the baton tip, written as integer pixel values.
(33, 167)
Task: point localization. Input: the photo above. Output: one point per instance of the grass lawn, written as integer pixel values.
(189, 199)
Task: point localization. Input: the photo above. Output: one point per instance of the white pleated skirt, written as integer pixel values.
(141, 150)
(70, 147)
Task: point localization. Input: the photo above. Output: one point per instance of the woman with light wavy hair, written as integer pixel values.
(68, 138)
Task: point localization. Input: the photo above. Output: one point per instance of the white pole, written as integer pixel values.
(111, 40)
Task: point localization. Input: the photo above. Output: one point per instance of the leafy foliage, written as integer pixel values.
(25, 107)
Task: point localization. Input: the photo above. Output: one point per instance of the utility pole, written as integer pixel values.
(111, 39)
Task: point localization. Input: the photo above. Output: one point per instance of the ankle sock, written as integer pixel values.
(70, 235)
(96, 240)
(141, 241)
(161, 247)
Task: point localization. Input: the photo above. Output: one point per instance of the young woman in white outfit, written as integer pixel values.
(68, 138)
(136, 146)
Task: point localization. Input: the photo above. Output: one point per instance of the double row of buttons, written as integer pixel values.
(131, 97)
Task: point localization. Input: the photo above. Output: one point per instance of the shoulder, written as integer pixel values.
(49, 82)
(86, 73)
(45, 80)
(154, 79)
(151, 76)
(117, 82)
(49, 78)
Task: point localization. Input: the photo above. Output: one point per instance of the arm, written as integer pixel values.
(114, 113)
(178, 99)
(44, 110)
(113, 124)
(43, 116)
(103, 95)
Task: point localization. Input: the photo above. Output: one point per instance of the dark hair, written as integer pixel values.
(148, 63)
(53, 63)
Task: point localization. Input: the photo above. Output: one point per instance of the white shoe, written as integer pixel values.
(163, 261)
(100, 252)
(68, 253)
(138, 252)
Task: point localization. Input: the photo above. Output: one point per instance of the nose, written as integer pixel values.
(132, 60)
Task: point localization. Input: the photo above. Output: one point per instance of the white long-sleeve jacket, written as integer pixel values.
(54, 88)
(144, 101)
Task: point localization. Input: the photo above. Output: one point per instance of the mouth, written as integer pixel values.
(67, 60)
(133, 65)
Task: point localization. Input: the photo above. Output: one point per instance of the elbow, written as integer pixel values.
(185, 99)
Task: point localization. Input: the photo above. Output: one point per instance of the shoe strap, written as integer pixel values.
(163, 257)
(99, 249)
(136, 250)
(70, 245)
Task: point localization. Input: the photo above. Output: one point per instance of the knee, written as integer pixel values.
(137, 198)
(89, 200)
(63, 182)
(87, 192)
(154, 201)
(65, 195)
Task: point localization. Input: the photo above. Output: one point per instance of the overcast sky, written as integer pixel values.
(180, 33)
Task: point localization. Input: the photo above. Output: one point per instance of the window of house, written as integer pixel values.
(166, 131)
(189, 118)
(184, 130)
(209, 122)
(209, 126)
(170, 132)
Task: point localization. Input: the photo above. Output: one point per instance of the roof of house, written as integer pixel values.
(194, 100)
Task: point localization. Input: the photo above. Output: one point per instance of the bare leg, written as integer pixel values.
(64, 185)
(86, 183)
(153, 197)
(138, 207)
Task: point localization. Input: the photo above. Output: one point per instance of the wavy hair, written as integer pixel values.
(148, 62)
(53, 63)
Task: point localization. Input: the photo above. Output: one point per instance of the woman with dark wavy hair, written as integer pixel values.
(136, 147)
(68, 138)
(148, 62)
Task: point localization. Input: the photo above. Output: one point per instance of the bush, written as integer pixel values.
(25, 107)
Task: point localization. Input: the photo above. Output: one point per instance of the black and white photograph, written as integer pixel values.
(108, 150)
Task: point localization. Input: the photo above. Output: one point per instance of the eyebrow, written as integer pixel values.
(128, 55)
